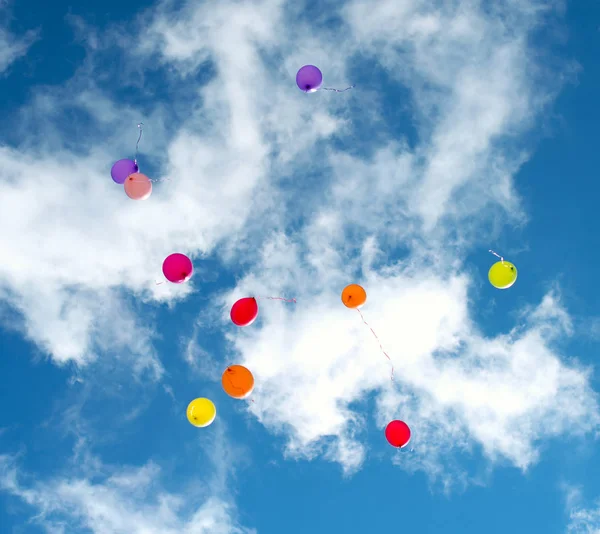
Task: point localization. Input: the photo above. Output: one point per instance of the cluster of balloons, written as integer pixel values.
(397, 432)
(126, 172)
(238, 383)
(139, 187)
(237, 380)
(502, 275)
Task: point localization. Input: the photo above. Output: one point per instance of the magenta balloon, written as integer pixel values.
(177, 268)
(309, 78)
(122, 169)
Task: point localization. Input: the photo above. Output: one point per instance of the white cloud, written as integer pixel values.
(470, 76)
(455, 387)
(75, 240)
(582, 520)
(248, 156)
(12, 47)
(585, 522)
(126, 500)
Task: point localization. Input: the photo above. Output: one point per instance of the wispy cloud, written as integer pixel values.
(583, 520)
(456, 387)
(12, 47)
(127, 500)
(262, 175)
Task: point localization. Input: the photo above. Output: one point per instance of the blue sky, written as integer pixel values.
(471, 127)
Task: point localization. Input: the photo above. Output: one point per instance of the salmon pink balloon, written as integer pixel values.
(397, 433)
(138, 186)
(244, 311)
(177, 268)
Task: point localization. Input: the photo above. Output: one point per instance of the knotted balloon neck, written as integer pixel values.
(337, 90)
(497, 255)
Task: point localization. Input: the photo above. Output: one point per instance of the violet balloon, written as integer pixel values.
(122, 169)
(177, 268)
(309, 79)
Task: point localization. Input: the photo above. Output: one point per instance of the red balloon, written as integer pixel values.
(244, 311)
(397, 433)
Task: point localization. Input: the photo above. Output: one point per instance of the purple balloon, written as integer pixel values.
(309, 78)
(122, 169)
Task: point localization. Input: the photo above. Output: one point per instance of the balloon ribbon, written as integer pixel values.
(153, 180)
(497, 255)
(276, 298)
(138, 142)
(380, 346)
(137, 146)
(337, 90)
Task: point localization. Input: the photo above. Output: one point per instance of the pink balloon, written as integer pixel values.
(177, 268)
(138, 186)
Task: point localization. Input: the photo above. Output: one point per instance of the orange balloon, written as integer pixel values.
(237, 381)
(138, 186)
(354, 296)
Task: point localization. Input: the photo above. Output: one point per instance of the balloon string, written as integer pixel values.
(337, 90)
(497, 255)
(380, 346)
(138, 142)
(276, 298)
(153, 180)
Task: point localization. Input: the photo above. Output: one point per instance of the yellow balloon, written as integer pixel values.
(201, 412)
(503, 274)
